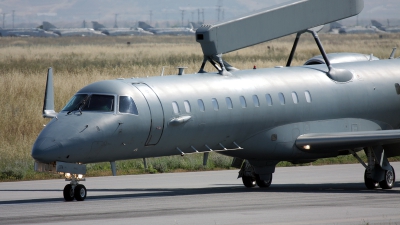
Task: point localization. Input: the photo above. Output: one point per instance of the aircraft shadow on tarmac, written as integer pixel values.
(353, 188)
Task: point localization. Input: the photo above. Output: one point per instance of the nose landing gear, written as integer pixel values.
(74, 190)
(73, 172)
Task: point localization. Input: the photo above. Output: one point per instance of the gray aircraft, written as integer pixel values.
(26, 32)
(260, 117)
(389, 29)
(167, 31)
(360, 30)
(71, 31)
(119, 31)
(337, 28)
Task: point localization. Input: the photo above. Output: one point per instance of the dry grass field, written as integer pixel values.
(79, 61)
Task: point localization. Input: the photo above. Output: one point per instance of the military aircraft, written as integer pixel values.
(70, 32)
(389, 29)
(260, 116)
(26, 32)
(196, 25)
(167, 31)
(360, 30)
(337, 28)
(332, 28)
(119, 31)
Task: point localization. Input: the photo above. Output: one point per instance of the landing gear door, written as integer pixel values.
(156, 113)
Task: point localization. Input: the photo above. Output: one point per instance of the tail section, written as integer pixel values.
(97, 26)
(48, 26)
(144, 25)
(336, 25)
(377, 24)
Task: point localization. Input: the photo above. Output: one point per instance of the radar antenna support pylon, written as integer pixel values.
(338, 75)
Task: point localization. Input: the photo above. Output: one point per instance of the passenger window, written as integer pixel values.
(295, 97)
(127, 105)
(175, 107)
(229, 103)
(308, 96)
(242, 101)
(269, 99)
(215, 104)
(201, 105)
(281, 98)
(187, 106)
(256, 101)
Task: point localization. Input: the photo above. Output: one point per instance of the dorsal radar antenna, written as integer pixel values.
(296, 16)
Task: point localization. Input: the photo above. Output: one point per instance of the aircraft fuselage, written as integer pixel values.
(263, 111)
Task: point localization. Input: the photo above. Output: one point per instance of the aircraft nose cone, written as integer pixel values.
(44, 148)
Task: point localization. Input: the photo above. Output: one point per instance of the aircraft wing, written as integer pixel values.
(331, 142)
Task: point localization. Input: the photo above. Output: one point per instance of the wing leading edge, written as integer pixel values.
(332, 142)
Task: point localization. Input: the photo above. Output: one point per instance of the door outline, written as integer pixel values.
(156, 113)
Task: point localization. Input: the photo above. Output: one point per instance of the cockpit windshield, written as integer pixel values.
(103, 103)
(95, 102)
(75, 103)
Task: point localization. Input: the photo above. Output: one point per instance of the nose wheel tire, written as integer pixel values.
(389, 179)
(249, 181)
(68, 193)
(80, 192)
(263, 183)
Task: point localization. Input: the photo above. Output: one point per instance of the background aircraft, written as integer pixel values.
(167, 31)
(359, 30)
(70, 32)
(196, 25)
(119, 31)
(260, 116)
(338, 28)
(33, 32)
(389, 29)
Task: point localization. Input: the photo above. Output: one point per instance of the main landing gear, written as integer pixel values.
(74, 190)
(251, 179)
(378, 172)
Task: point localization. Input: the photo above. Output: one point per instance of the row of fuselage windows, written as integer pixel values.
(243, 103)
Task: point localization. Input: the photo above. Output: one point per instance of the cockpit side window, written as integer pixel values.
(102, 103)
(127, 105)
(75, 103)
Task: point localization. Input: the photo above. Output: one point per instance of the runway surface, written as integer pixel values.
(298, 195)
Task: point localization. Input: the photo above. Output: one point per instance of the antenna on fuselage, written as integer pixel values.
(268, 24)
(181, 70)
(48, 104)
(393, 53)
(162, 71)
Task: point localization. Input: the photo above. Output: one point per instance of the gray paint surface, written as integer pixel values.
(367, 102)
(300, 195)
